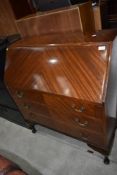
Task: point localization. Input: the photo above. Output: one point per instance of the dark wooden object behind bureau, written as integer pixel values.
(73, 18)
(62, 84)
(22, 8)
(7, 19)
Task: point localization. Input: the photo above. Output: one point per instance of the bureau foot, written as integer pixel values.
(34, 129)
(106, 160)
(105, 153)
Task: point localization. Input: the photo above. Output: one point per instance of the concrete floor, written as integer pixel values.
(50, 153)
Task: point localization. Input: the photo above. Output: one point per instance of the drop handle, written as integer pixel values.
(79, 110)
(81, 124)
(85, 124)
(26, 106)
(19, 94)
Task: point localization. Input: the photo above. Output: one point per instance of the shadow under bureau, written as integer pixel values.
(62, 83)
(8, 108)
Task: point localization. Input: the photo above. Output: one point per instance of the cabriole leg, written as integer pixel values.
(34, 129)
(106, 160)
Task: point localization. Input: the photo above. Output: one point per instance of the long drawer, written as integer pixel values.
(27, 106)
(67, 128)
(67, 110)
(71, 105)
(31, 95)
(62, 114)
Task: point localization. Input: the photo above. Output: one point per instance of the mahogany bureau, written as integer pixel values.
(61, 81)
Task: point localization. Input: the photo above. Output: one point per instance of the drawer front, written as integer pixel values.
(56, 102)
(59, 109)
(78, 121)
(74, 131)
(70, 105)
(37, 108)
(31, 95)
(58, 115)
(30, 101)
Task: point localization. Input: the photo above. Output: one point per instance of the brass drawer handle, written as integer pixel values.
(19, 94)
(81, 109)
(85, 124)
(26, 106)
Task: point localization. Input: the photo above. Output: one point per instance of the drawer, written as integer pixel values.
(37, 108)
(86, 123)
(93, 138)
(58, 102)
(68, 129)
(77, 120)
(31, 95)
(70, 105)
(58, 115)
(60, 112)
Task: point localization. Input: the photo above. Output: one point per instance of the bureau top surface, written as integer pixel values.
(78, 71)
(67, 38)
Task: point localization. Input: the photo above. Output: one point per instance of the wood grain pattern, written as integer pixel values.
(58, 113)
(7, 20)
(68, 129)
(67, 38)
(87, 18)
(97, 18)
(61, 120)
(67, 19)
(60, 81)
(49, 76)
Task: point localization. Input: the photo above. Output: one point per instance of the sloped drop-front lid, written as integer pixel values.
(78, 71)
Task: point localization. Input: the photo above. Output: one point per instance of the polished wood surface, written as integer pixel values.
(97, 18)
(66, 38)
(60, 113)
(49, 76)
(7, 20)
(60, 81)
(66, 19)
(87, 17)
